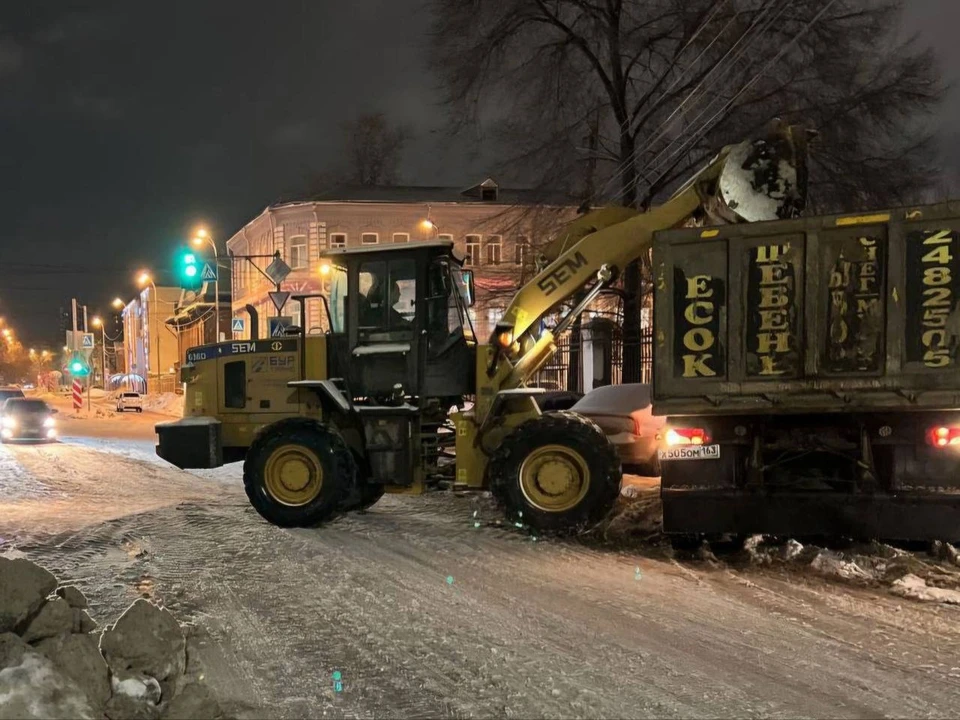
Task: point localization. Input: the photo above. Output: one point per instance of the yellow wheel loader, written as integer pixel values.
(327, 423)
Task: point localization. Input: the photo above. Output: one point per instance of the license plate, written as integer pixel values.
(696, 452)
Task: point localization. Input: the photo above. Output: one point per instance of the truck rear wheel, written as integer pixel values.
(557, 473)
(297, 473)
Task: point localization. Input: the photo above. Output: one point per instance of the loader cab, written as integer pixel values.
(398, 319)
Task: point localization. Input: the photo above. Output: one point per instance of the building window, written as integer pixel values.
(472, 255)
(445, 237)
(401, 237)
(368, 238)
(494, 249)
(338, 240)
(523, 248)
(298, 252)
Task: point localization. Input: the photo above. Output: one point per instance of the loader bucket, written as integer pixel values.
(766, 179)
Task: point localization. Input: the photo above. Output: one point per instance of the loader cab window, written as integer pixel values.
(235, 384)
(337, 299)
(447, 302)
(387, 300)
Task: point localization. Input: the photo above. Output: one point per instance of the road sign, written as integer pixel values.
(88, 343)
(277, 271)
(279, 299)
(77, 395)
(209, 273)
(278, 325)
(237, 325)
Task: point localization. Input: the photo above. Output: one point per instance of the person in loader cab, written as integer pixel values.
(375, 298)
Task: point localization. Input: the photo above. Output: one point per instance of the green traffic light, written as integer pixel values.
(189, 258)
(190, 271)
(76, 367)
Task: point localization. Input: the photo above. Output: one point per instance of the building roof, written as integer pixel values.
(486, 192)
(446, 245)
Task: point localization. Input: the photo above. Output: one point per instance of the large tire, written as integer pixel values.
(370, 495)
(582, 478)
(298, 473)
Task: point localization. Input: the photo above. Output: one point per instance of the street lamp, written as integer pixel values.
(98, 323)
(117, 303)
(428, 225)
(199, 239)
(145, 279)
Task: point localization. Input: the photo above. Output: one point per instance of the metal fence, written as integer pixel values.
(564, 371)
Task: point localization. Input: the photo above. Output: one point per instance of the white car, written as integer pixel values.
(130, 401)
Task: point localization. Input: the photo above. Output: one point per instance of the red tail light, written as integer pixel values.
(687, 436)
(943, 436)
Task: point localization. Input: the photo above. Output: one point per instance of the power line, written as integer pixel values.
(708, 124)
(656, 163)
(697, 90)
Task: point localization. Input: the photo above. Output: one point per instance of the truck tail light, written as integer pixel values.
(944, 436)
(687, 436)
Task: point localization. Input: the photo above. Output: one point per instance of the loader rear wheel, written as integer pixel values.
(557, 473)
(297, 473)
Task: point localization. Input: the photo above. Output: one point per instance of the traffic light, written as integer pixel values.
(189, 271)
(78, 367)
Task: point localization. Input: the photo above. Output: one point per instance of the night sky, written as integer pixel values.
(126, 124)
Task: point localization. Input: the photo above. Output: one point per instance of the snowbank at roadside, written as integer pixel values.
(164, 403)
(56, 662)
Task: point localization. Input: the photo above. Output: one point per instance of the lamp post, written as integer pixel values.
(201, 237)
(142, 280)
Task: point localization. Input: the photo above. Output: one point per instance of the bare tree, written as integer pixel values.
(373, 147)
(674, 80)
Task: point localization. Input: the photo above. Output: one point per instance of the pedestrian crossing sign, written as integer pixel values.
(209, 273)
(237, 325)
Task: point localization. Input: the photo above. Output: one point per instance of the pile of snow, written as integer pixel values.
(930, 577)
(54, 662)
(167, 403)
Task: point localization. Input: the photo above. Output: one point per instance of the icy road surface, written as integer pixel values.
(425, 615)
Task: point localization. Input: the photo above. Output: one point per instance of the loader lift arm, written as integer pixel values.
(755, 180)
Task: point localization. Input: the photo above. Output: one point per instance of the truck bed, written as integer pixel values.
(821, 314)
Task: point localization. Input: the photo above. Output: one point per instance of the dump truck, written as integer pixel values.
(326, 423)
(808, 371)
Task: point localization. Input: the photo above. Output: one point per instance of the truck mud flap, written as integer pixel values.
(824, 514)
(191, 443)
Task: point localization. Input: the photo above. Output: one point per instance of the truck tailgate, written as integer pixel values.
(843, 312)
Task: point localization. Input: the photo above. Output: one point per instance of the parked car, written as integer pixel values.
(130, 401)
(624, 413)
(9, 392)
(27, 419)
(557, 400)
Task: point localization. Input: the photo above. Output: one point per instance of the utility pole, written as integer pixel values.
(89, 374)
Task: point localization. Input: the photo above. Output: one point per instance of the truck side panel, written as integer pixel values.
(809, 315)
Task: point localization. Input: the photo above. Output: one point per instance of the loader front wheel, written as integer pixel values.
(557, 473)
(297, 473)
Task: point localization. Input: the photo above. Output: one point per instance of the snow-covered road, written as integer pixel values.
(424, 614)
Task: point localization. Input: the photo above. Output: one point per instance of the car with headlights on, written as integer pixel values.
(27, 419)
